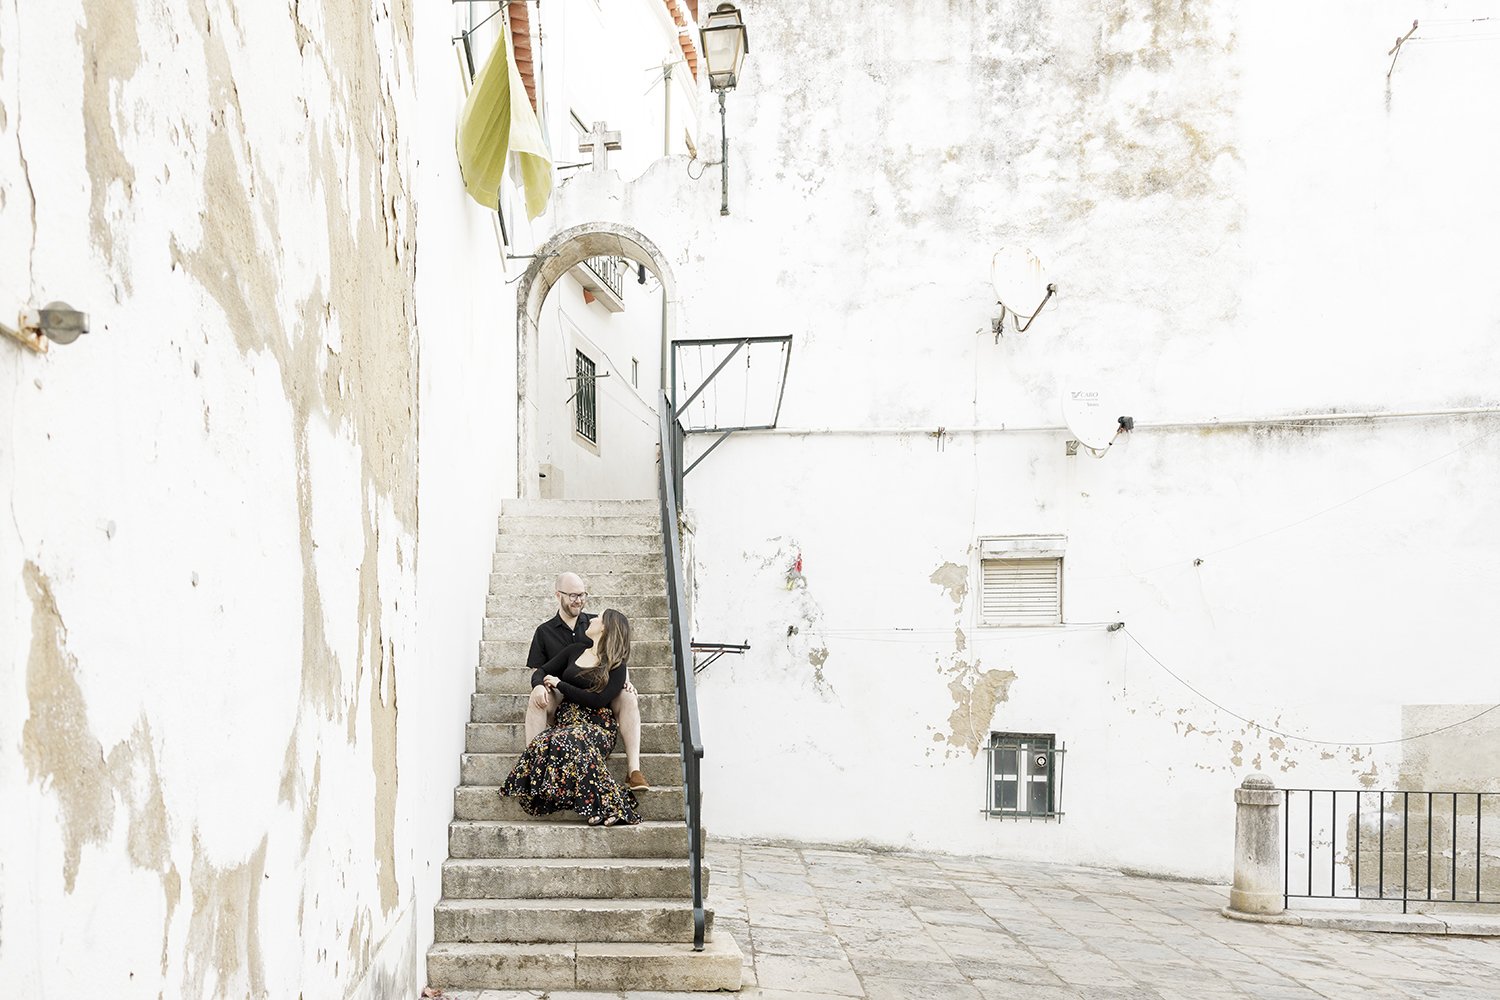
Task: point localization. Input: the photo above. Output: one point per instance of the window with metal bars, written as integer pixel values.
(1024, 776)
(585, 405)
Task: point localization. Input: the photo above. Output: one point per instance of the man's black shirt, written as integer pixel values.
(552, 637)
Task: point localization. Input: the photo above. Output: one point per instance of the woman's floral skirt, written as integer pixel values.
(564, 768)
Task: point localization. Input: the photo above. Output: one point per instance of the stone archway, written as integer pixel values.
(553, 259)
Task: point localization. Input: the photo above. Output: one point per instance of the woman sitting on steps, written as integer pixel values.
(564, 767)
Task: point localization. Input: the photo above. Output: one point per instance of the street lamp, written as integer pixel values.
(725, 43)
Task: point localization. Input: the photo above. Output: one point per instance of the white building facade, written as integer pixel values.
(1275, 259)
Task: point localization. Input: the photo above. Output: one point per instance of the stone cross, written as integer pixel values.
(599, 142)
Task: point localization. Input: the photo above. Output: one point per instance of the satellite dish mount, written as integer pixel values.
(1017, 276)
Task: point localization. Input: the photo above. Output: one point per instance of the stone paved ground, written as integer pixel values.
(817, 923)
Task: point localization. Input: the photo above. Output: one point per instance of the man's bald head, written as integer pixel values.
(571, 595)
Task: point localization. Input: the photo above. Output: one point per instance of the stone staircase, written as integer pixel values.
(550, 903)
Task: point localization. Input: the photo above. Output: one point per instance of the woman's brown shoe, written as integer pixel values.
(636, 782)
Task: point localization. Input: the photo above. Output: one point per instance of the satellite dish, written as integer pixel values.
(1017, 276)
(1091, 412)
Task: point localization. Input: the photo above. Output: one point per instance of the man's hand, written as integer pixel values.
(540, 698)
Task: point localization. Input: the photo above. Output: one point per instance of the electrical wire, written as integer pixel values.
(1296, 736)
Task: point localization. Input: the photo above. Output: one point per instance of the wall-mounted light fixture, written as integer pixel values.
(725, 43)
(57, 322)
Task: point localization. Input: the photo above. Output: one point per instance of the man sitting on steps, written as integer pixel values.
(562, 629)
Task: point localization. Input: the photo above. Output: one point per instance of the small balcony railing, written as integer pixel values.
(610, 271)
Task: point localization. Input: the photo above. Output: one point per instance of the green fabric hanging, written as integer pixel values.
(497, 120)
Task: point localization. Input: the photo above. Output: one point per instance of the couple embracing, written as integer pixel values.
(581, 699)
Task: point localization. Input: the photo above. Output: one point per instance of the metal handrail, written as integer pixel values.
(687, 697)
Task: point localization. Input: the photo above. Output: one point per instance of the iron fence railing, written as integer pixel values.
(1407, 847)
(682, 657)
(611, 271)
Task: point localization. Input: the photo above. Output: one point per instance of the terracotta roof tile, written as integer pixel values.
(520, 34)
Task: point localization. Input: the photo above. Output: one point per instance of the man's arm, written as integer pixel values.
(538, 654)
(556, 665)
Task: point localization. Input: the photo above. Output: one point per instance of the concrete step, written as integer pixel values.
(569, 524)
(566, 920)
(528, 611)
(528, 585)
(588, 565)
(564, 547)
(513, 652)
(602, 966)
(553, 878)
(486, 802)
(580, 508)
(515, 680)
(515, 628)
(487, 707)
(510, 737)
(492, 768)
(528, 839)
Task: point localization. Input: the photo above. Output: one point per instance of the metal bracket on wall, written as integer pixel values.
(714, 650)
(736, 345)
(998, 324)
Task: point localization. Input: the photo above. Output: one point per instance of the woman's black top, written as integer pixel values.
(566, 670)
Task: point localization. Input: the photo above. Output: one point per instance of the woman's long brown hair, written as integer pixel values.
(613, 649)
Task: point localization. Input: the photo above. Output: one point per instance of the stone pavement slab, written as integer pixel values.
(818, 923)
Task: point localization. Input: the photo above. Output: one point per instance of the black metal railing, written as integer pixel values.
(1397, 846)
(611, 271)
(682, 657)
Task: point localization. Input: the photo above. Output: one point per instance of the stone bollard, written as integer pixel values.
(1258, 877)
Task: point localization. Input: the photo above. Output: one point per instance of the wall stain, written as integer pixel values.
(56, 743)
(976, 695)
(954, 579)
(111, 56)
(60, 749)
(363, 385)
(223, 937)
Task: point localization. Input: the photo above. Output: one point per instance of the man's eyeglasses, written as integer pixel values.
(573, 597)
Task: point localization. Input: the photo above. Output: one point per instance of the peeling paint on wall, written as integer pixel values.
(954, 579)
(56, 742)
(223, 945)
(111, 56)
(976, 695)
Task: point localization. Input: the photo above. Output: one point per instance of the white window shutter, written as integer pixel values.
(1021, 591)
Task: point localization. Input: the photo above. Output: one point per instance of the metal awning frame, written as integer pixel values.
(740, 343)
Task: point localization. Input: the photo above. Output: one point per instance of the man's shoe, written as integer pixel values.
(636, 782)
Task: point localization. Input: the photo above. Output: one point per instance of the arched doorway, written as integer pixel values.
(554, 259)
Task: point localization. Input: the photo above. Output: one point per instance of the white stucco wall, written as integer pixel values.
(1243, 222)
(621, 462)
(232, 681)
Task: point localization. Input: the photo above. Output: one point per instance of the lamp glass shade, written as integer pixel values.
(724, 46)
